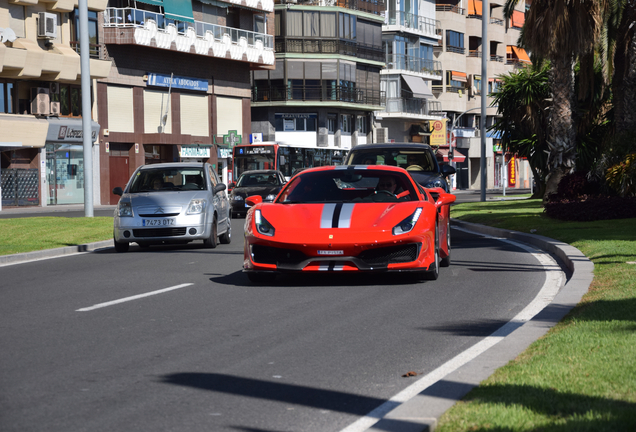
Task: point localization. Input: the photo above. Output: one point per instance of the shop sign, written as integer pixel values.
(512, 172)
(160, 80)
(438, 134)
(224, 153)
(70, 133)
(194, 152)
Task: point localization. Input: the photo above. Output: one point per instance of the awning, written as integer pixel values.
(521, 54)
(179, 10)
(442, 154)
(22, 131)
(474, 7)
(417, 129)
(518, 18)
(151, 2)
(418, 87)
(459, 76)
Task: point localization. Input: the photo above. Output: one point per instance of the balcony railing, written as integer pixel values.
(413, 106)
(329, 46)
(375, 7)
(131, 18)
(317, 93)
(455, 49)
(416, 22)
(497, 58)
(450, 8)
(474, 53)
(94, 50)
(413, 64)
(496, 21)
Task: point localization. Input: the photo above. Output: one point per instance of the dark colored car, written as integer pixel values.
(418, 159)
(265, 183)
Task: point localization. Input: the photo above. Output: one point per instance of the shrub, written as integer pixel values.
(591, 209)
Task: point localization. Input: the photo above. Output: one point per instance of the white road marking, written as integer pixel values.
(554, 280)
(135, 297)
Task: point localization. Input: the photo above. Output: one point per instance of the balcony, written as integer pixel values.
(317, 93)
(375, 7)
(95, 51)
(329, 46)
(411, 108)
(141, 27)
(417, 24)
(431, 68)
(450, 8)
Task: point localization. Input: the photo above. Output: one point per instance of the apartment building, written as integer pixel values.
(462, 86)
(409, 36)
(179, 87)
(41, 150)
(326, 84)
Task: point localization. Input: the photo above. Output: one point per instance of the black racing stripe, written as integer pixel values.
(332, 265)
(336, 215)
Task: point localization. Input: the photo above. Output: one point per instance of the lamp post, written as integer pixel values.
(86, 107)
(452, 129)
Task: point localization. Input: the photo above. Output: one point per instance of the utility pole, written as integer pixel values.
(484, 94)
(87, 136)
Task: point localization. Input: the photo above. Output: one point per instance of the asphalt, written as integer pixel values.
(420, 413)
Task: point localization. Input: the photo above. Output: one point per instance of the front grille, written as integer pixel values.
(159, 232)
(390, 255)
(271, 255)
(158, 215)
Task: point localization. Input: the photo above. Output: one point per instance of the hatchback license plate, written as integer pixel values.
(157, 222)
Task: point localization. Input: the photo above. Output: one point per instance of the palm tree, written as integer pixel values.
(560, 31)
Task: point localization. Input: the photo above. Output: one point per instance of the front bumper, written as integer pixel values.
(185, 229)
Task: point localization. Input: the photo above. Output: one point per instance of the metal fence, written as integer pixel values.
(20, 187)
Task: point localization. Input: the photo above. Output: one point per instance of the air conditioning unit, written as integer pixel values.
(55, 108)
(54, 88)
(40, 102)
(47, 25)
(381, 135)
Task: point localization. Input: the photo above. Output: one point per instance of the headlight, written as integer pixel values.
(270, 197)
(437, 183)
(196, 206)
(262, 225)
(407, 224)
(238, 198)
(124, 209)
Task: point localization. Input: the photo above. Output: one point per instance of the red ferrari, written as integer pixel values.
(350, 218)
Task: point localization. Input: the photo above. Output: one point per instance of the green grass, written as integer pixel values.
(38, 233)
(581, 376)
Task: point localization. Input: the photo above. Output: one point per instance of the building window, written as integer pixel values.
(295, 122)
(6, 97)
(331, 123)
(92, 33)
(454, 42)
(345, 119)
(362, 125)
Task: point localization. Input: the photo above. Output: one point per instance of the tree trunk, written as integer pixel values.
(624, 79)
(561, 132)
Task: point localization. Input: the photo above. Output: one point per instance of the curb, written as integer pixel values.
(53, 253)
(421, 413)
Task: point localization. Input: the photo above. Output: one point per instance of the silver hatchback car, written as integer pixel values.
(172, 203)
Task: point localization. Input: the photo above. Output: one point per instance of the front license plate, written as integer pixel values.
(157, 222)
(330, 252)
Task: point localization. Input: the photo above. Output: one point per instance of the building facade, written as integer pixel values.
(462, 86)
(179, 88)
(41, 152)
(326, 83)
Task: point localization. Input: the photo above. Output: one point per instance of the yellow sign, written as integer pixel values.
(438, 135)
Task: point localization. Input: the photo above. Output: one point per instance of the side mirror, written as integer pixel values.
(118, 191)
(447, 170)
(219, 188)
(253, 200)
(445, 199)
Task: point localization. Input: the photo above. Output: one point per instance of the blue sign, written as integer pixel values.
(160, 80)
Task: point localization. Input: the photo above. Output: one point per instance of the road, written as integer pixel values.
(178, 339)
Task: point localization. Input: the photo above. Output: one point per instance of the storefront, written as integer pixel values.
(65, 161)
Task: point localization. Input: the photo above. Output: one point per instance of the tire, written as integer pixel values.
(226, 237)
(434, 274)
(445, 262)
(256, 277)
(121, 246)
(210, 242)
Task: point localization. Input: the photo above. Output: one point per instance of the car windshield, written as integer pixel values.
(168, 179)
(258, 179)
(412, 160)
(348, 186)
